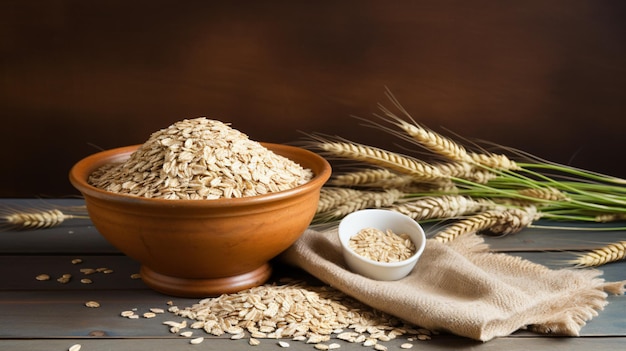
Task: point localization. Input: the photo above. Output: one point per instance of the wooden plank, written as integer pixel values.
(61, 313)
(123, 267)
(73, 236)
(81, 237)
(542, 239)
(552, 235)
(437, 344)
(49, 315)
(22, 271)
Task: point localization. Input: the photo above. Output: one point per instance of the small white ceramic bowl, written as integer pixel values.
(381, 220)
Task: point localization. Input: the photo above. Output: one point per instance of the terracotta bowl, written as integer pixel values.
(199, 248)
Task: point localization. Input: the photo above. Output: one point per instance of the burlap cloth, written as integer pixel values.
(462, 288)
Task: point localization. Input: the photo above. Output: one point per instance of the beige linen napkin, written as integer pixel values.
(462, 288)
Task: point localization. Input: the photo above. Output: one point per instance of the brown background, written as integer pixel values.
(546, 76)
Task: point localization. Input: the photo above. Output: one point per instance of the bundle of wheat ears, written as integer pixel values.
(469, 190)
(466, 190)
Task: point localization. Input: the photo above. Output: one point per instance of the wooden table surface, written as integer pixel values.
(48, 315)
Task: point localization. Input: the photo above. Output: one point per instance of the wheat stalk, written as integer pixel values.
(466, 171)
(400, 182)
(472, 224)
(494, 161)
(332, 197)
(426, 189)
(363, 177)
(429, 139)
(441, 145)
(31, 219)
(604, 218)
(365, 199)
(443, 207)
(512, 220)
(391, 160)
(567, 194)
(545, 193)
(455, 169)
(434, 142)
(500, 221)
(607, 254)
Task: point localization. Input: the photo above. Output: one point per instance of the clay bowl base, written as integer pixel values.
(199, 288)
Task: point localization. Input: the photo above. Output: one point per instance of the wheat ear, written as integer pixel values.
(500, 221)
(494, 161)
(472, 224)
(366, 199)
(466, 171)
(429, 139)
(34, 219)
(611, 217)
(442, 145)
(446, 206)
(399, 163)
(427, 189)
(512, 220)
(609, 253)
(333, 197)
(364, 177)
(546, 193)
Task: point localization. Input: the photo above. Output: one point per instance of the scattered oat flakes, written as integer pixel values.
(186, 334)
(237, 336)
(196, 341)
(254, 342)
(370, 342)
(406, 345)
(75, 347)
(149, 315)
(135, 276)
(64, 279)
(77, 261)
(42, 277)
(127, 313)
(92, 304)
(86, 281)
(157, 310)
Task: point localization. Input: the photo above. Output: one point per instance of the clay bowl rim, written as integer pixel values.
(82, 169)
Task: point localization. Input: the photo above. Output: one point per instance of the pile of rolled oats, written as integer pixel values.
(200, 159)
(293, 310)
